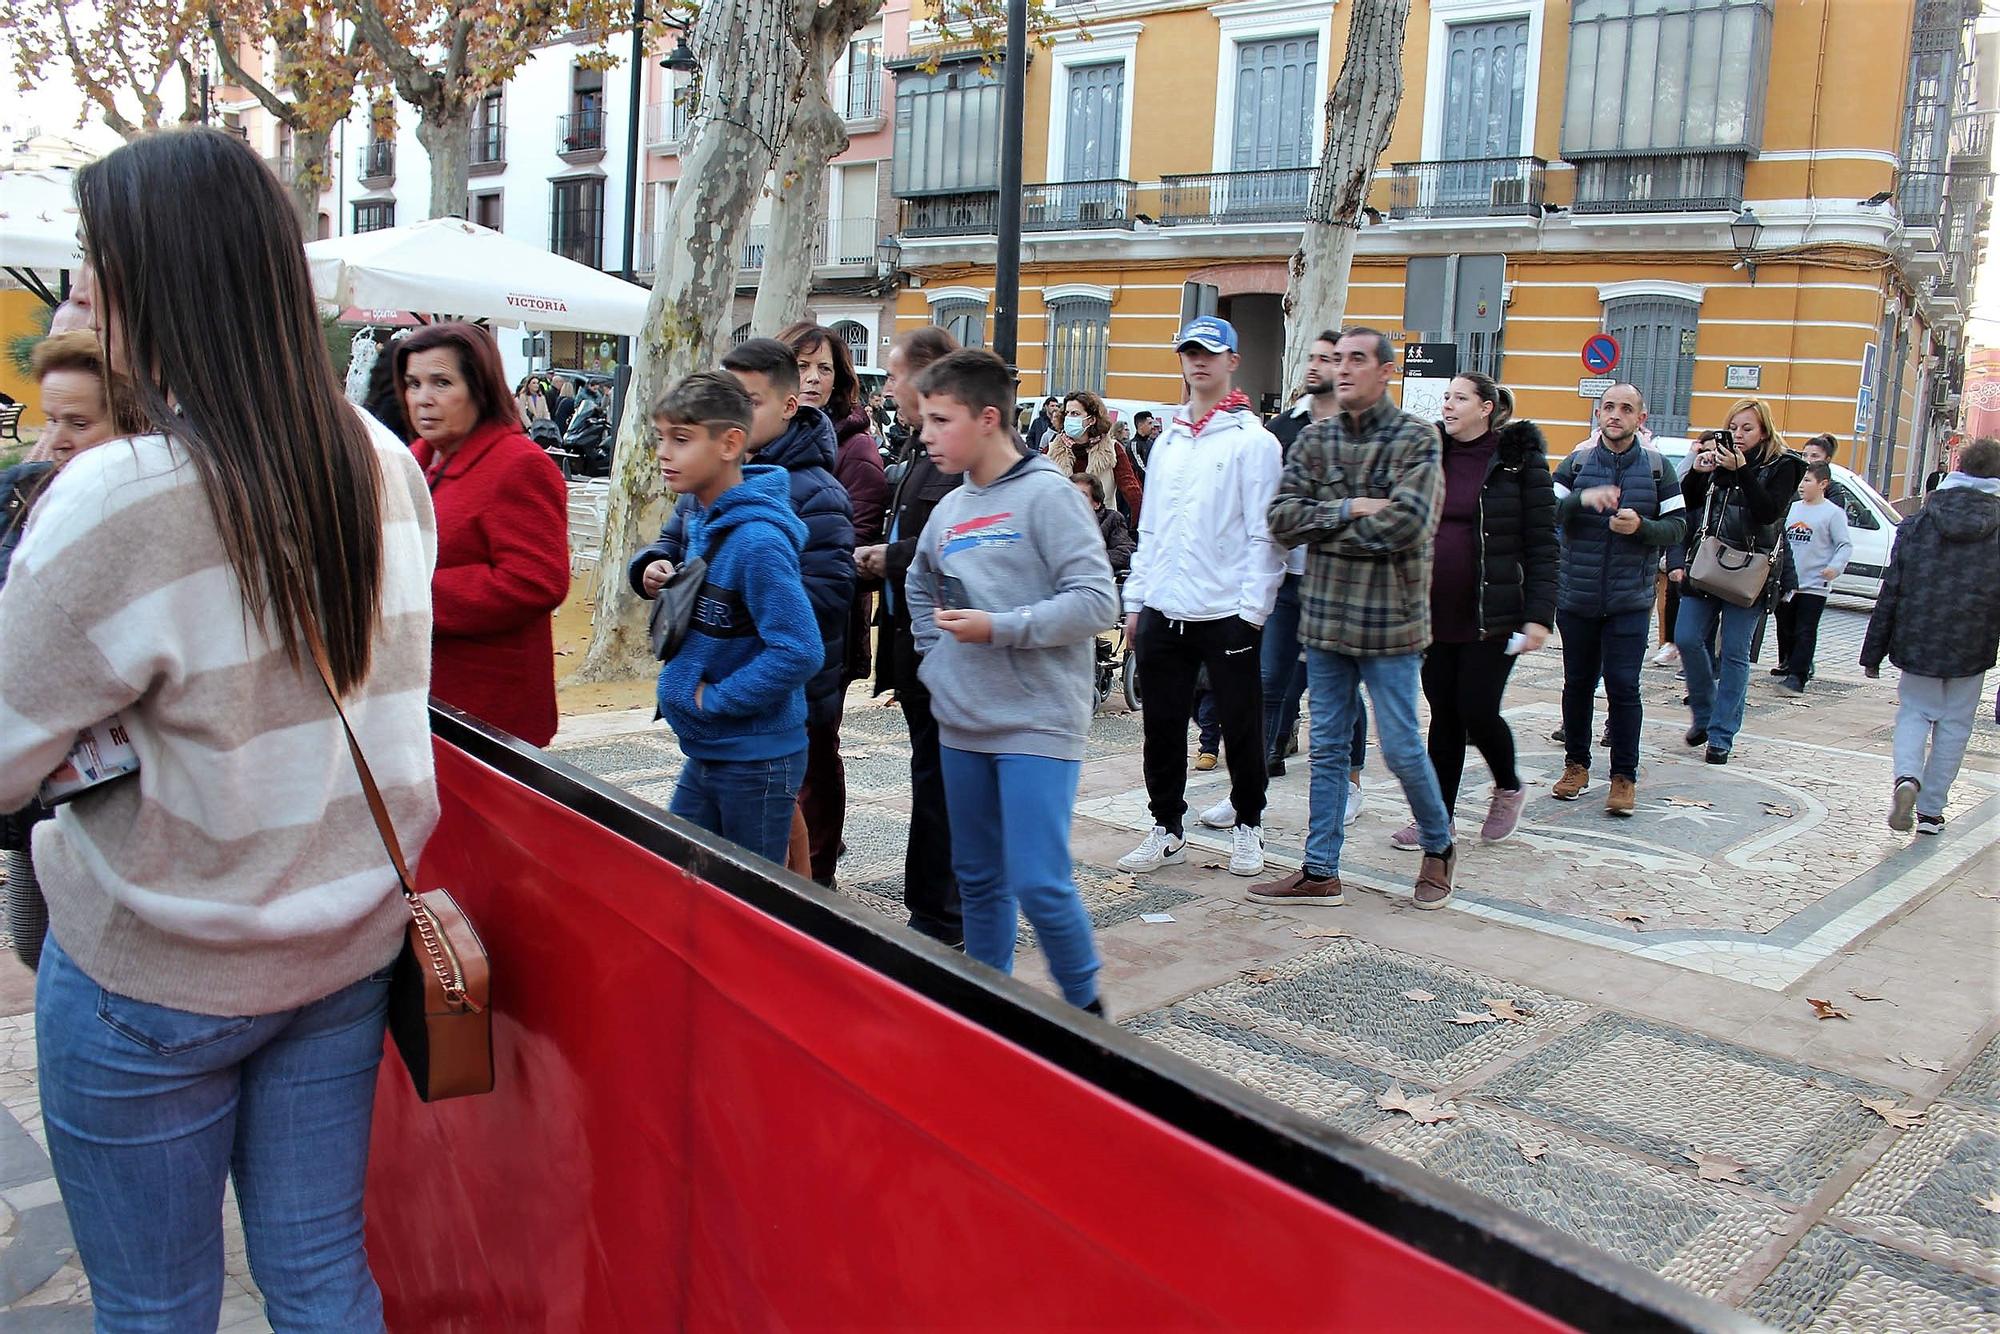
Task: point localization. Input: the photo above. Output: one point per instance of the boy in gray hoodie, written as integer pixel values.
(1008, 588)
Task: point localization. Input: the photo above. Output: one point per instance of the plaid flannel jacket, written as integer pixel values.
(1367, 590)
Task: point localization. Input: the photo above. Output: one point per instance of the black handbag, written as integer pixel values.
(673, 606)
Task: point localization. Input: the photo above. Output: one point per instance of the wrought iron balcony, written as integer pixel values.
(378, 161)
(582, 131)
(1055, 206)
(1659, 183)
(1491, 187)
(1278, 195)
(489, 147)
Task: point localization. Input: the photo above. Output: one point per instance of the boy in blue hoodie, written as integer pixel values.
(735, 691)
(1008, 591)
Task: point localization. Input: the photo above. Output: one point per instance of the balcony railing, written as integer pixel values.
(667, 124)
(1920, 199)
(1055, 206)
(378, 161)
(1660, 183)
(489, 145)
(1493, 187)
(581, 131)
(975, 214)
(1278, 195)
(837, 243)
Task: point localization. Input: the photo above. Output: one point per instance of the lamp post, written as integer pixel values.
(1013, 106)
(681, 58)
(1744, 232)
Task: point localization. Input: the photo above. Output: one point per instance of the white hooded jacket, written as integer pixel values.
(1205, 549)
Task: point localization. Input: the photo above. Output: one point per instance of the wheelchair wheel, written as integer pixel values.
(1131, 674)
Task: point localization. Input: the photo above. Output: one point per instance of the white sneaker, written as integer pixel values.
(1222, 815)
(1668, 653)
(1246, 850)
(1159, 849)
(1355, 801)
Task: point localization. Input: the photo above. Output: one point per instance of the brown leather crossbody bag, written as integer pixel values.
(441, 990)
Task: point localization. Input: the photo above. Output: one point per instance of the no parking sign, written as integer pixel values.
(1600, 354)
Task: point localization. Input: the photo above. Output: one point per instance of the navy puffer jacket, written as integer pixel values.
(806, 451)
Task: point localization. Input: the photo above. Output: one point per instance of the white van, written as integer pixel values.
(1871, 523)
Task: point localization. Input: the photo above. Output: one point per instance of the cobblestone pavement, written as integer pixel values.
(1661, 969)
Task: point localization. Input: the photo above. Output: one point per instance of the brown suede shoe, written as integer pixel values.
(1623, 793)
(1297, 888)
(1571, 785)
(1434, 878)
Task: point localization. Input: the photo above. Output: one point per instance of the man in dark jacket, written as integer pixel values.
(1938, 619)
(930, 889)
(1618, 506)
(800, 440)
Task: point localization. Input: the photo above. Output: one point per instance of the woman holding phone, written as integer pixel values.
(1739, 488)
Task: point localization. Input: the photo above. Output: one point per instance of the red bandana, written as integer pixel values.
(1231, 401)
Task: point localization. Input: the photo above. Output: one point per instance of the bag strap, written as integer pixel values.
(376, 806)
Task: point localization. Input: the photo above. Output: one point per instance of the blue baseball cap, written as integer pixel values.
(1214, 334)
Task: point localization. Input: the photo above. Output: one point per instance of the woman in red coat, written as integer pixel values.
(502, 532)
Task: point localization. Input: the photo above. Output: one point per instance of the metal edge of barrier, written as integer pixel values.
(1541, 1267)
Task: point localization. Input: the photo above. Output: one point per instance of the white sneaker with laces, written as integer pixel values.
(1159, 849)
(1222, 815)
(1246, 850)
(1355, 801)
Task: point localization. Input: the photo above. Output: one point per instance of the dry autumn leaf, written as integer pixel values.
(1866, 996)
(1321, 933)
(1422, 1109)
(1468, 1017)
(1716, 1167)
(1903, 1118)
(1826, 1009)
(1921, 1063)
(1695, 802)
(1991, 1204)
(1260, 976)
(1635, 918)
(1777, 808)
(1532, 1150)
(1507, 1009)
(1416, 994)
(1215, 866)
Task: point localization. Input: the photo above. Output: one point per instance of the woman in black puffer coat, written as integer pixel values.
(1493, 577)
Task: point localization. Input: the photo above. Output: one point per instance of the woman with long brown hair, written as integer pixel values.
(222, 922)
(1739, 487)
(1085, 444)
(502, 532)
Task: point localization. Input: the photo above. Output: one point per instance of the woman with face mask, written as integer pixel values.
(1084, 444)
(76, 401)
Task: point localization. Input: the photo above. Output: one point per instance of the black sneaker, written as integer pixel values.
(1795, 684)
(1275, 769)
(1781, 670)
(1697, 736)
(1716, 756)
(1557, 736)
(1604, 741)
(1902, 803)
(1930, 824)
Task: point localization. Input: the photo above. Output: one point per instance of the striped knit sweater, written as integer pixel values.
(239, 872)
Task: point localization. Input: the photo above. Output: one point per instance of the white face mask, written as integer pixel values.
(1073, 427)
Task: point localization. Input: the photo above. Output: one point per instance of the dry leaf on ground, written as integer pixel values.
(1416, 994)
(1507, 1009)
(1921, 1063)
(1867, 996)
(1468, 1017)
(1826, 1009)
(1903, 1118)
(1532, 1150)
(1260, 976)
(1422, 1109)
(1696, 802)
(1321, 933)
(1991, 1204)
(1777, 808)
(1215, 866)
(1716, 1167)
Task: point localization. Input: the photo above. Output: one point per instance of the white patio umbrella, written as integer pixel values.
(38, 221)
(460, 268)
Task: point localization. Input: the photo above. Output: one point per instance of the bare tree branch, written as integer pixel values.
(279, 108)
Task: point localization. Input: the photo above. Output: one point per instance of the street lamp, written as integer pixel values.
(888, 257)
(1744, 232)
(681, 58)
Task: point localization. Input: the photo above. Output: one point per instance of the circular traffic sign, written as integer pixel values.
(1600, 353)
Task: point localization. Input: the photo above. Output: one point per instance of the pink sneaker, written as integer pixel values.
(1407, 839)
(1503, 814)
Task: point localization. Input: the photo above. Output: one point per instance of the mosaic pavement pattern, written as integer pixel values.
(1833, 1283)
(1979, 1084)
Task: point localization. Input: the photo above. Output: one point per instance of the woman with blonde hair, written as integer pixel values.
(1085, 444)
(1739, 487)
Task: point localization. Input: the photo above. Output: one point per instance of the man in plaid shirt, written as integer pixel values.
(1362, 491)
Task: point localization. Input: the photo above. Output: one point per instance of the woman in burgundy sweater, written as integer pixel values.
(827, 381)
(1493, 576)
(502, 532)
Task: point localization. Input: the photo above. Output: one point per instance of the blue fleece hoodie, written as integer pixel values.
(753, 643)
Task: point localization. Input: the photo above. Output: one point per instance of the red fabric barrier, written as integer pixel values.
(707, 1120)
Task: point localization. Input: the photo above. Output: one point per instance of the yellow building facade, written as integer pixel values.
(1590, 158)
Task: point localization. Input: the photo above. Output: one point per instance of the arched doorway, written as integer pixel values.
(855, 335)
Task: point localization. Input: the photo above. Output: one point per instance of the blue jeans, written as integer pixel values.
(150, 1109)
(1715, 695)
(1285, 675)
(1010, 819)
(1392, 683)
(748, 802)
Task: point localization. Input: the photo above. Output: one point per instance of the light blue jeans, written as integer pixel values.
(1715, 696)
(1010, 819)
(149, 1110)
(1336, 680)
